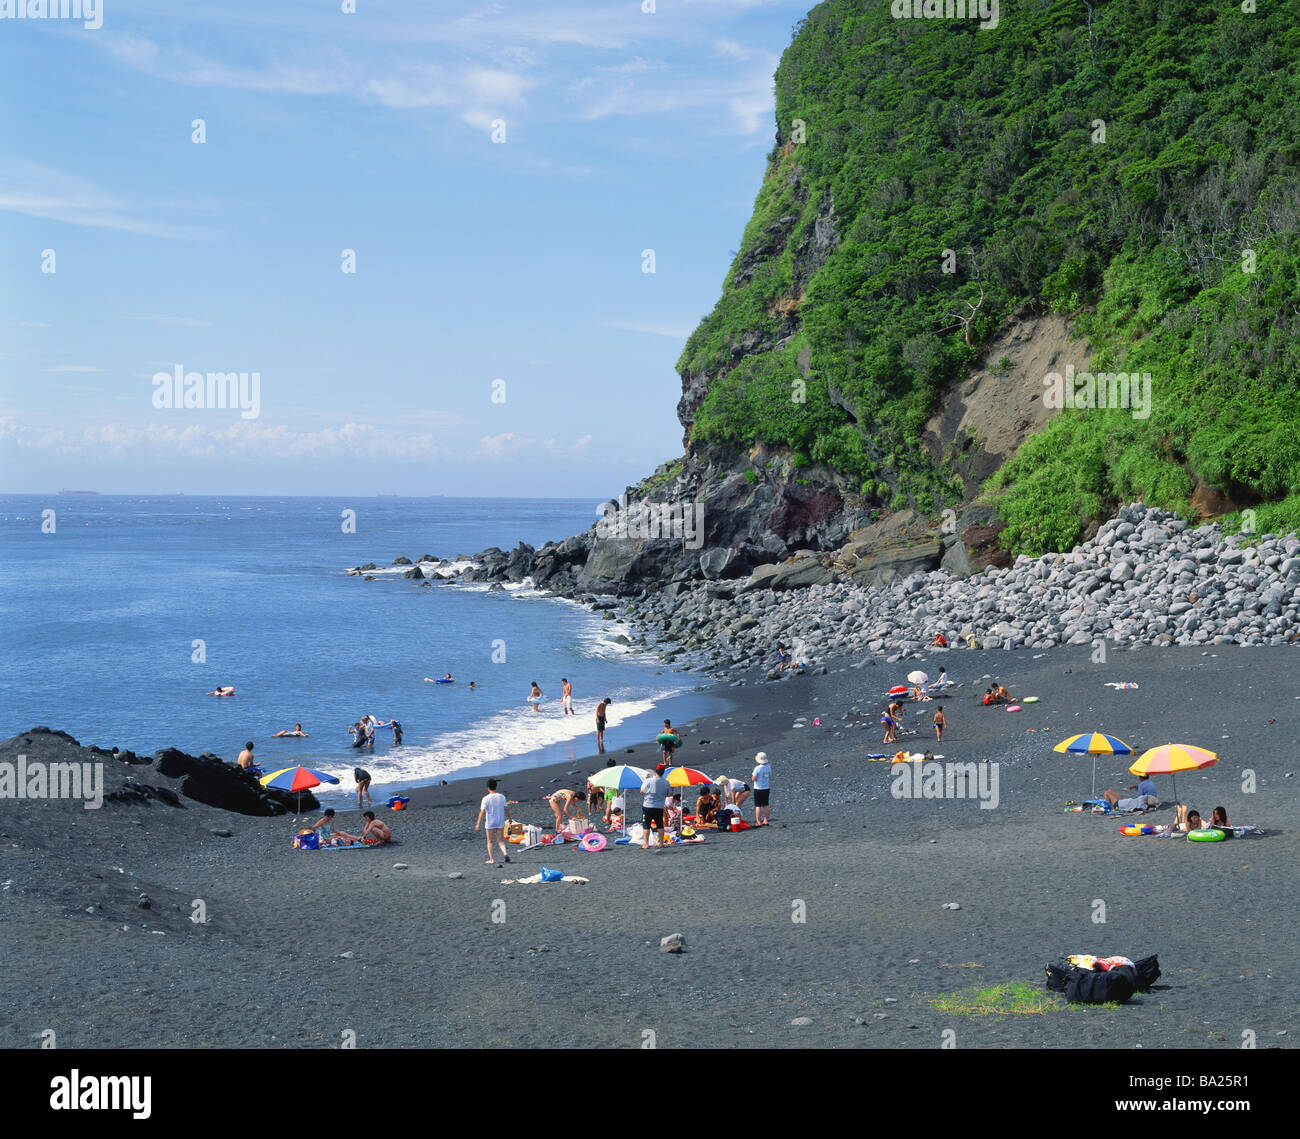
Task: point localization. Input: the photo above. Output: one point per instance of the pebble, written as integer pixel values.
(801, 1021)
(221, 832)
(400, 866)
(673, 943)
(455, 874)
(952, 905)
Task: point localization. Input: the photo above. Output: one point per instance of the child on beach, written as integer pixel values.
(939, 724)
(615, 820)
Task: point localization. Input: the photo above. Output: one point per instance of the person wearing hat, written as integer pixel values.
(654, 795)
(762, 780)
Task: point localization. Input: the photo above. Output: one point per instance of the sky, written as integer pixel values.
(499, 173)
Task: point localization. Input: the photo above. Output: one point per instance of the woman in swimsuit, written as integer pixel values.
(562, 803)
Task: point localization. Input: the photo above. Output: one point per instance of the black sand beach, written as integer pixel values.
(300, 949)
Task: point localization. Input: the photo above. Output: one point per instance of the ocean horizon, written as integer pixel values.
(124, 610)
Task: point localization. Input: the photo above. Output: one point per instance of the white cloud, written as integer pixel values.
(674, 332)
(494, 448)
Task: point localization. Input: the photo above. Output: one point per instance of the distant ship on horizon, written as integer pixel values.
(78, 492)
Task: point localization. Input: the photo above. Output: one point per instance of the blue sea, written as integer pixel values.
(117, 623)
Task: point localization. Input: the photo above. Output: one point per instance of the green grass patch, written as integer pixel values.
(1015, 999)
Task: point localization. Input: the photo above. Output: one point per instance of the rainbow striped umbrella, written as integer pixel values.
(1170, 759)
(1094, 744)
(622, 777)
(296, 779)
(685, 777)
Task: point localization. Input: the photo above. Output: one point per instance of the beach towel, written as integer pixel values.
(1119, 686)
(532, 880)
(354, 846)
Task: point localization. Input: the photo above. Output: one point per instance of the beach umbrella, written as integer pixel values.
(1094, 744)
(679, 777)
(623, 777)
(898, 690)
(918, 677)
(297, 780)
(1170, 759)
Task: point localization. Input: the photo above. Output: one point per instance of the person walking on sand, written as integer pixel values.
(668, 746)
(535, 696)
(362, 776)
(566, 696)
(939, 724)
(762, 780)
(654, 796)
(600, 725)
(494, 811)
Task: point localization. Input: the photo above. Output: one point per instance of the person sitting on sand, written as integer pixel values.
(1137, 803)
(563, 803)
(943, 680)
(939, 642)
(1000, 691)
(706, 807)
(615, 806)
(672, 815)
(328, 835)
(615, 820)
(919, 693)
(297, 731)
(376, 831)
(246, 760)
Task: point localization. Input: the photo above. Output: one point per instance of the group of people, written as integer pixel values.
(363, 731)
(1186, 819)
(997, 694)
(375, 832)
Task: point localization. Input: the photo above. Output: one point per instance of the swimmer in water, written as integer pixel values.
(297, 731)
(227, 691)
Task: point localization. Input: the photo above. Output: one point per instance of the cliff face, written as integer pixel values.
(949, 218)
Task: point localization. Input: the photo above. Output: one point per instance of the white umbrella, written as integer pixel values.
(917, 677)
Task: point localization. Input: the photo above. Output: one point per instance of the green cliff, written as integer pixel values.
(1134, 166)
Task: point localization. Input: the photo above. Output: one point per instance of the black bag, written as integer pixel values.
(1093, 987)
(1148, 972)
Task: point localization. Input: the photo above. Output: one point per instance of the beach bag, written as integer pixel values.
(309, 841)
(1148, 972)
(1091, 987)
(551, 875)
(723, 819)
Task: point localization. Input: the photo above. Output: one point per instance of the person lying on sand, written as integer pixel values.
(1219, 819)
(376, 831)
(1137, 803)
(297, 731)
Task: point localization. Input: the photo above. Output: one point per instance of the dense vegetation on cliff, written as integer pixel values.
(1135, 165)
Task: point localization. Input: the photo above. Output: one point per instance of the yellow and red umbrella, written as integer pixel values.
(685, 777)
(1094, 744)
(1169, 759)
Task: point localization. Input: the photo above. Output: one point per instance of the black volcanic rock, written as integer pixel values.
(226, 785)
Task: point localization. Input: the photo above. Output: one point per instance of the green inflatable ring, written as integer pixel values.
(1211, 835)
(667, 739)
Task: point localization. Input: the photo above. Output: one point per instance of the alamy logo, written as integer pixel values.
(89, 12)
(934, 780)
(653, 520)
(75, 1092)
(37, 780)
(986, 11)
(196, 391)
(1111, 390)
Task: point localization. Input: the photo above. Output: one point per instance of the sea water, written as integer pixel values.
(117, 614)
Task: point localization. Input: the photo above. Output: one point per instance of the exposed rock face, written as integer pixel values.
(208, 780)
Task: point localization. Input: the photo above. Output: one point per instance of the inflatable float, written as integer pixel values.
(667, 739)
(1030, 700)
(1211, 835)
(1013, 708)
(444, 680)
(1134, 828)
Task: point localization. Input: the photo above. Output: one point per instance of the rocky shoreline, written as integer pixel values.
(1146, 577)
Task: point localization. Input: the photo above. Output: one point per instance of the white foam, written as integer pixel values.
(498, 736)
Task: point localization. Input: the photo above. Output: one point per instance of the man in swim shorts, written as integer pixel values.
(245, 759)
(566, 697)
(676, 742)
(600, 724)
(362, 776)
